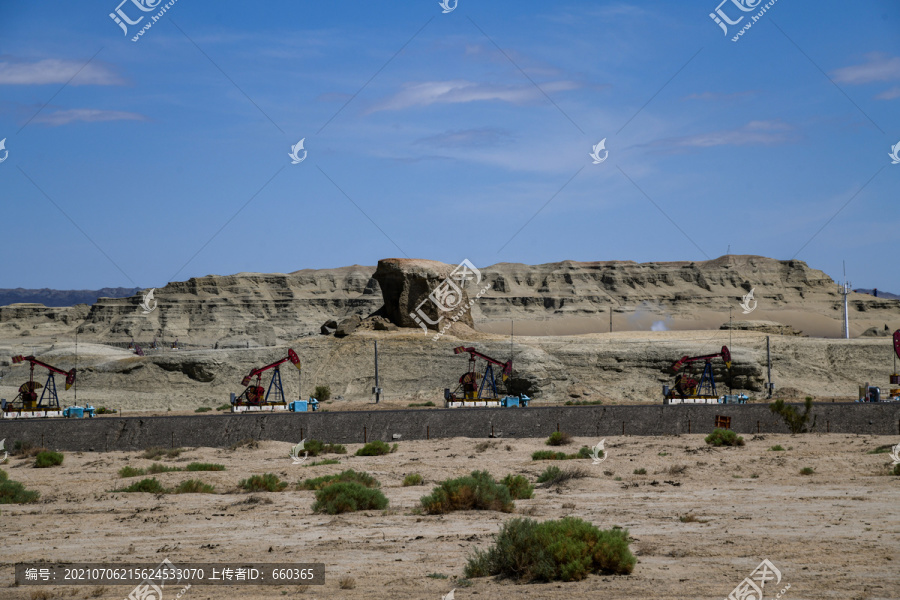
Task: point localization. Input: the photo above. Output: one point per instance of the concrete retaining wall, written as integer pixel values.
(137, 433)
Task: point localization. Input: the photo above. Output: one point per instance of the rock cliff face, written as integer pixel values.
(421, 292)
(253, 309)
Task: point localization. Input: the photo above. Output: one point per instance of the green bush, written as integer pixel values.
(13, 492)
(413, 479)
(150, 486)
(198, 466)
(724, 437)
(48, 458)
(807, 471)
(223, 407)
(585, 452)
(375, 448)
(559, 438)
(4, 476)
(157, 468)
(567, 549)
(550, 473)
(348, 476)
(640, 471)
(896, 470)
(157, 452)
(203, 409)
(553, 475)
(322, 393)
(348, 496)
(881, 449)
(130, 472)
(477, 491)
(776, 448)
(796, 422)
(518, 486)
(327, 461)
(548, 455)
(317, 447)
(194, 486)
(263, 483)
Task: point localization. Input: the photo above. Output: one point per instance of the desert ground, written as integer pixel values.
(700, 520)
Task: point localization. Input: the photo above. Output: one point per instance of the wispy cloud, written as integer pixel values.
(754, 133)
(718, 97)
(88, 115)
(878, 67)
(890, 94)
(469, 138)
(461, 91)
(55, 70)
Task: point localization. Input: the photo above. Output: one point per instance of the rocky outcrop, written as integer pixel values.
(418, 292)
(771, 327)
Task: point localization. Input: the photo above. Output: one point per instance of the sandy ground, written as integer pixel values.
(833, 534)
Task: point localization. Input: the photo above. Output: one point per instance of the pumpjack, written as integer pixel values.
(255, 397)
(686, 388)
(27, 403)
(475, 389)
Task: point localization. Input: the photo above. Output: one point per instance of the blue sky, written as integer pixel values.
(443, 136)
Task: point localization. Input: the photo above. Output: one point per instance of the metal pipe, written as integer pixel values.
(377, 389)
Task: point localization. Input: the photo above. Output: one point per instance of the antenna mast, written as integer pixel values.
(845, 291)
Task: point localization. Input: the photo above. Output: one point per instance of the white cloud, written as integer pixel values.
(890, 94)
(56, 71)
(461, 91)
(880, 67)
(88, 115)
(754, 133)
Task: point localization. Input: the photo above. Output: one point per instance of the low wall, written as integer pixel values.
(137, 433)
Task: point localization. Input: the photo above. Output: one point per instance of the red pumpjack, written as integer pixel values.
(468, 382)
(686, 386)
(255, 395)
(27, 399)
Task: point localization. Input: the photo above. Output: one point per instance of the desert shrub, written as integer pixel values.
(567, 549)
(322, 393)
(348, 496)
(198, 466)
(317, 447)
(776, 448)
(413, 479)
(553, 475)
(157, 468)
(724, 437)
(559, 438)
(348, 476)
(48, 458)
(194, 486)
(585, 452)
(583, 402)
(157, 452)
(795, 421)
(346, 582)
(375, 448)
(807, 471)
(223, 407)
(13, 492)
(130, 472)
(548, 455)
(326, 461)
(518, 486)
(203, 409)
(896, 470)
(150, 486)
(4, 476)
(415, 405)
(477, 491)
(640, 471)
(106, 411)
(267, 482)
(881, 449)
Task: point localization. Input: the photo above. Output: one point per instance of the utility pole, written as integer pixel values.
(769, 363)
(610, 318)
(376, 390)
(845, 291)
